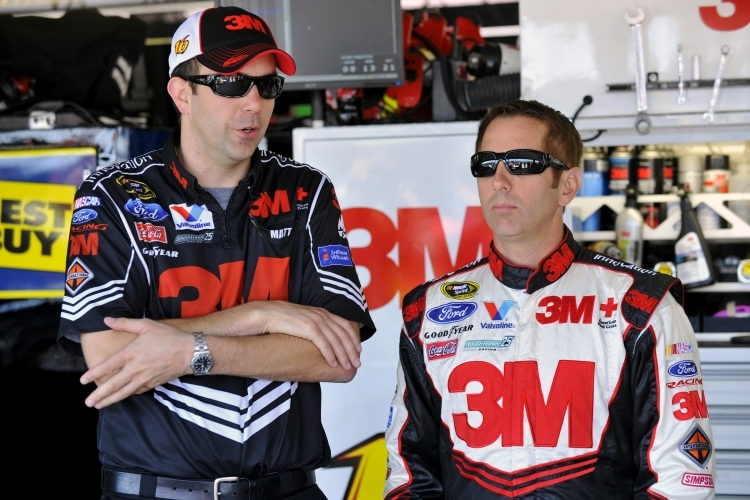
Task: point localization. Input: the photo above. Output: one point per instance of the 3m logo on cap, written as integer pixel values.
(192, 217)
(696, 446)
(77, 276)
(244, 21)
(181, 46)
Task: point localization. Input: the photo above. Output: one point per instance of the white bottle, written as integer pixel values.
(629, 229)
(739, 182)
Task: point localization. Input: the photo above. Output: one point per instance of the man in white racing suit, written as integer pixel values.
(545, 370)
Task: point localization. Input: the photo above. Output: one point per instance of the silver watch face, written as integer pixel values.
(201, 364)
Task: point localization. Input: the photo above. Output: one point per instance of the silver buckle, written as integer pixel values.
(228, 479)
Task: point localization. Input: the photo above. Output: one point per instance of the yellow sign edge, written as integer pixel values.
(77, 151)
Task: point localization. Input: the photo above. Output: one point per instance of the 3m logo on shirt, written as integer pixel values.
(679, 348)
(641, 301)
(558, 263)
(520, 389)
(692, 405)
(266, 206)
(192, 217)
(440, 350)
(413, 310)
(148, 232)
(566, 309)
(77, 276)
(84, 244)
(86, 201)
(334, 255)
(696, 446)
(173, 168)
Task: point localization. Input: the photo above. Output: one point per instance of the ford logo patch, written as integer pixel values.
(83, 215)
(452, 312)
(684, 368)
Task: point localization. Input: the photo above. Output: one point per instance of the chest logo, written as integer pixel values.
(566, 309)
(265, 205)
(451, 312)
(146, 211)
(137, 188)
(192, 217)
(459, 290)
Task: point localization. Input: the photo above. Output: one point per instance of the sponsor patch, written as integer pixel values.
(146, 211)
(334, 255)
(158, 252)
(342, 230)
(501, 313)
(148, 232)
(193, 238)
(87, 201)
(83, 216)
(390, 419)
(696, 446)
(77, 276)
(684, 368)
(88, 227)
(191, 217)
(679, 348)
(685, 383)
(440, 350)
(140, 189)
(451, 312)
(490, 345)
(454, 330)
(698, 480)
(459, 290)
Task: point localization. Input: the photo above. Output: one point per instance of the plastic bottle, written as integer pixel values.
(739, 182)
(629, 228)
(692, 258)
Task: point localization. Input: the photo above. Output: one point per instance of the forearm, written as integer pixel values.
(274, 357)
(98, 346)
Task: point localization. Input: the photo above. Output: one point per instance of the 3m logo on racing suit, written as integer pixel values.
(520, 388)
(84, 244)
(641, 301)
(566, 309)
(692, 405)
(558, 263)
(265, 205)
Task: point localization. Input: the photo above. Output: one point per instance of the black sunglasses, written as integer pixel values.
(269, 87)
(517, 161)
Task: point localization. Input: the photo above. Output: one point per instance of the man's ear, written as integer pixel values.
(570, 183)
(180, 91)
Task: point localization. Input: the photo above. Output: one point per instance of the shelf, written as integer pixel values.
(730, 287)
(739, 231)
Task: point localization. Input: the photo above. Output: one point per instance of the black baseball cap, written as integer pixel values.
(225, 40)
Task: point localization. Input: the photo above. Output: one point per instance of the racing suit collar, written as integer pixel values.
(551, 267)
(186, 181)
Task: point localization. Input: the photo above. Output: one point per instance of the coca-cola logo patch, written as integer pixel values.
(440, 350)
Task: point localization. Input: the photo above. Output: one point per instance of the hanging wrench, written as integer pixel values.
(642, 121)
(680, 83)
(709, 115)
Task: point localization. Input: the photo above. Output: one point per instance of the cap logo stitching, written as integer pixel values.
(181, 46)
(244, 22)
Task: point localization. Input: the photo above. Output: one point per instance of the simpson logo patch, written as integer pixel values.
(191, 217)
(77, 276)
(698, 480)
(696, 446)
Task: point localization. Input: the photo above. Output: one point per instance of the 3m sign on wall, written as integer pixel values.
(411, 212)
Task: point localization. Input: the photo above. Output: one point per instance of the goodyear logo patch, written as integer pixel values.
(34, 225)
(696, 446)
(459, 290)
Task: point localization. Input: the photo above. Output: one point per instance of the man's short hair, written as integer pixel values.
(562, 140)
(187, 69)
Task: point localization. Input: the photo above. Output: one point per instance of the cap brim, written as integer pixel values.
(228, 59)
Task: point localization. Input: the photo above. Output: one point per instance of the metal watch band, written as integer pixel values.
(201, 345)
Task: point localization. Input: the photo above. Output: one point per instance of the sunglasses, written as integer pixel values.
(269, 87)
(517, 161)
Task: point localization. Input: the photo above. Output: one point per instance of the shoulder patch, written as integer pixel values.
(127, 167)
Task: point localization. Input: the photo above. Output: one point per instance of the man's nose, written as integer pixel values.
(252, 101)
(502, 180)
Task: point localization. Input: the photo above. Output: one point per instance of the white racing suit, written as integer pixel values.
(577, 380)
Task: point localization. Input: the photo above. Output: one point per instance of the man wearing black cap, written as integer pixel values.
(239, 259)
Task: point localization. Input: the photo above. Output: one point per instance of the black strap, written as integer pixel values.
(262, 488)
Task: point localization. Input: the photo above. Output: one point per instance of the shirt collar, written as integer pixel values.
(551, 268)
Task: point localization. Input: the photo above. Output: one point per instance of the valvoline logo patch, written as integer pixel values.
(192, 217)
(334, 255)
(451, 312)
(684, 369)
(499, 314)
(440, 350)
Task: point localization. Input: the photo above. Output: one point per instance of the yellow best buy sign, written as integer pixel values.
(34, 225)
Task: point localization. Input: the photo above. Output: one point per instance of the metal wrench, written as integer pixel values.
(717, 85)
(642, 121)
(680, 83)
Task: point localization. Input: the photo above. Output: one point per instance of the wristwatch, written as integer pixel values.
(202, 360)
